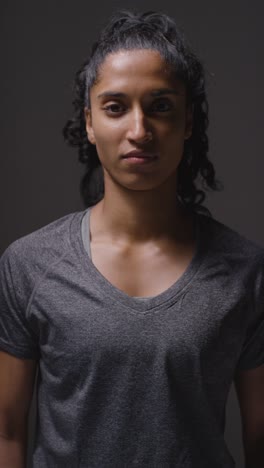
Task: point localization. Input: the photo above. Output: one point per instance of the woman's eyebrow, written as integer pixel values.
(162, 91)
(155, 92)
(111, 94)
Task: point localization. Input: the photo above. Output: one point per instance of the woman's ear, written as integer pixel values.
(189, 122)
(89, 127)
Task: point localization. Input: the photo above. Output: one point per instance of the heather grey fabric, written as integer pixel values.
(125, 382)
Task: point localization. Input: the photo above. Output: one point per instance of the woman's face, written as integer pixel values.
(136, 104)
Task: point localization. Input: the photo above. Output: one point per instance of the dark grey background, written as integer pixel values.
(43, 44)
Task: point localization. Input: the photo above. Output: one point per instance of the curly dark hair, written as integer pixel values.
(156, 31)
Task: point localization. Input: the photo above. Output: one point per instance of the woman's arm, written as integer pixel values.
(249, 386)
(17, 378)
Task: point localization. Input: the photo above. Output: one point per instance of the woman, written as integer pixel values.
(141, 309)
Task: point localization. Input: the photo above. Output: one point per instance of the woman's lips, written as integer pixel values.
(132, 160)
(140, 157)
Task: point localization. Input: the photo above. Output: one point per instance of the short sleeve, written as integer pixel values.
(16, 335)
(252, 354)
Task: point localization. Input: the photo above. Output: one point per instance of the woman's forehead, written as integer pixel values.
(145, 65)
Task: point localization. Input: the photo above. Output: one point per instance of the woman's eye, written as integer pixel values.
(113, 108)
(162, 106)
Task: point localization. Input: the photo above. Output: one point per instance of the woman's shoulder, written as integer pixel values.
(41, 247)
(229, 242)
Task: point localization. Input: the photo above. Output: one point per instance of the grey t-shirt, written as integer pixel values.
(122, 381)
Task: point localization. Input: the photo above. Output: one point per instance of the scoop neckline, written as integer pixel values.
(114, 294)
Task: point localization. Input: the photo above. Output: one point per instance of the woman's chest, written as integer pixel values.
(79, 324)
(146, 271)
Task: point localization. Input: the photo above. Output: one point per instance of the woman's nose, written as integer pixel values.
(139, 130)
